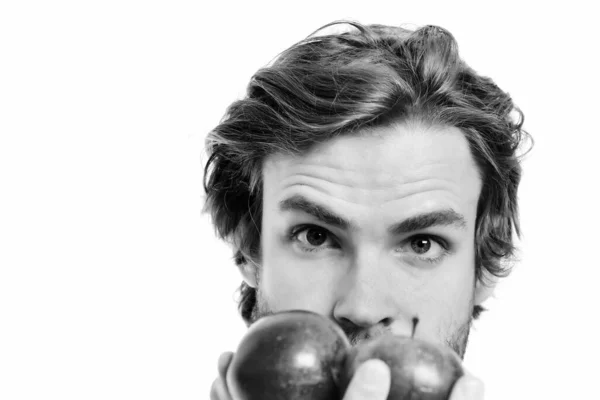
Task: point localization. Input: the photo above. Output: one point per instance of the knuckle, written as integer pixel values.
(223, 363)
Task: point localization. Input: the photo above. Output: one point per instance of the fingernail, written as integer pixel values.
(224, 358)
(372, 381)
(375, 369)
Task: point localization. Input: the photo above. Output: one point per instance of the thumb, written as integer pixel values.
(370, 382)
(467, 387)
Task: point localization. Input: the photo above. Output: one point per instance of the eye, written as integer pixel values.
(315, 237)
(425, 248)
(312, 238)
(421, 245)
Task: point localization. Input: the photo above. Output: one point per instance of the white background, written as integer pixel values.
(112, 285)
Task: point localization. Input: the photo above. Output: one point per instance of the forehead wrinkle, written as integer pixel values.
(342, 177)
(396, 192)
(372, 178)
(315, 180)
(346, 177)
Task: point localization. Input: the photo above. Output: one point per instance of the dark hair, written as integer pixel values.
(335, 84)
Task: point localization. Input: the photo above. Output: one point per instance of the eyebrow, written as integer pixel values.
(323, 214)
(446, 217)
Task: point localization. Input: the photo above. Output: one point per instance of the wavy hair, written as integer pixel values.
(335, 84)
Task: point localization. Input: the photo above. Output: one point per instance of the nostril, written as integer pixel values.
(386, 322)
(346, 324)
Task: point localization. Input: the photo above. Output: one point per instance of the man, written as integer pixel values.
(370, 176)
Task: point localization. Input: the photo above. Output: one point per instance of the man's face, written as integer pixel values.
(374, 229)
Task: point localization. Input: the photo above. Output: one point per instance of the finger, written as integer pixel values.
(370, 382)
(218, 390)
(223, 364)
(467, 388)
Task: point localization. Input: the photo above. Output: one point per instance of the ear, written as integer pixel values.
(249, 271)
(485, 287)
(247, 267)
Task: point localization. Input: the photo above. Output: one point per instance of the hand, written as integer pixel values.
(218, 390)
(467, 388)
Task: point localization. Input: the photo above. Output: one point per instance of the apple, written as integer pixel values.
(420, 370)
(289, 355)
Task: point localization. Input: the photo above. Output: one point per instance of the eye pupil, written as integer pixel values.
(315, 237)
(421, 246)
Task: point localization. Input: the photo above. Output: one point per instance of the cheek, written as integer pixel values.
(445, 300)
(453, 285)
(289, 282)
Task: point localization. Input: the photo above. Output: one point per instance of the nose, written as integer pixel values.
(365, 299)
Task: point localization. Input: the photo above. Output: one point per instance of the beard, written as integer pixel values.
(457, 339)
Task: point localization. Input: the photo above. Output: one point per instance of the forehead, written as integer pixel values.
(380, 166)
